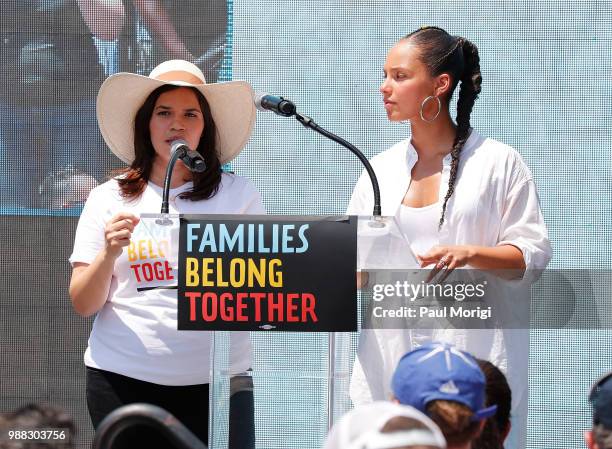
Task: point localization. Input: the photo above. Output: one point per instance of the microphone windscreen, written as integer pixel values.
(257, 99)
(178, 144)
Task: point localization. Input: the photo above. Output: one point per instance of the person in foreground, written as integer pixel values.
(384, 425)
(459, 198)
(448, 386)
(600, 436)
(53, 425)
(121, 268)
(498, 392)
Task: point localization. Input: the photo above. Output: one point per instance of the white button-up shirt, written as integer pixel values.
(495, 201)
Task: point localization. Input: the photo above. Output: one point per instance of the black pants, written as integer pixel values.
(108, 391)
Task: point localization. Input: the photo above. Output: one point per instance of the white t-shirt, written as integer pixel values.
(495, 202)
(135, 333)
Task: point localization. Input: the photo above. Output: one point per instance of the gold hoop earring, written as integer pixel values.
(423, 106)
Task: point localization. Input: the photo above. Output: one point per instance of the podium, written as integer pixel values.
(300, 379)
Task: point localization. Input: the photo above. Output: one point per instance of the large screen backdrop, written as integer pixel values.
(546, 92)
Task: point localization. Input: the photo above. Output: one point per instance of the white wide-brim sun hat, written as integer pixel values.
(121, 96)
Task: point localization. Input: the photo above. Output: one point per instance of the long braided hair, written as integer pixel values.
(443, 53)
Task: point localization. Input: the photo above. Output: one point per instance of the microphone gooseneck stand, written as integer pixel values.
(166, 195)
(310, 123)
(286, 108)
(182, 153)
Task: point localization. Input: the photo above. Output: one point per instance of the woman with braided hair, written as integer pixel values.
(460, 199)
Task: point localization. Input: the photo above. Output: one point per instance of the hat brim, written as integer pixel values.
(122, 94)
(484, 413)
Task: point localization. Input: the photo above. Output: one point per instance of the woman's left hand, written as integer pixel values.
(446, 258)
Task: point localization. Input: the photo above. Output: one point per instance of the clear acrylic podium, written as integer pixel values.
(300, 381)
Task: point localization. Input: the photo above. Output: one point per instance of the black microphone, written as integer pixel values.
(192, 159)
(278, 105)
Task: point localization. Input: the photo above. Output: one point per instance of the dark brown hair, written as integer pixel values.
(133, 179)
(403, 423)
(398, 423)
(442, 53)
(455, 421)
(497, 392)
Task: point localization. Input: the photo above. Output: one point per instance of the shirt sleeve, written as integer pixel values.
(89, 237)
(254, 204)
(522, 225)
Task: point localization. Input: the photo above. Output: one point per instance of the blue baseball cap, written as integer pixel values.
(601, 400)
(439, 371)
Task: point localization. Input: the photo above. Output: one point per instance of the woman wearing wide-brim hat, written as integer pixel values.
(135, 353)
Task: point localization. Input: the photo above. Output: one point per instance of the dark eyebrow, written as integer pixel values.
(399, 67)
(161, 106)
